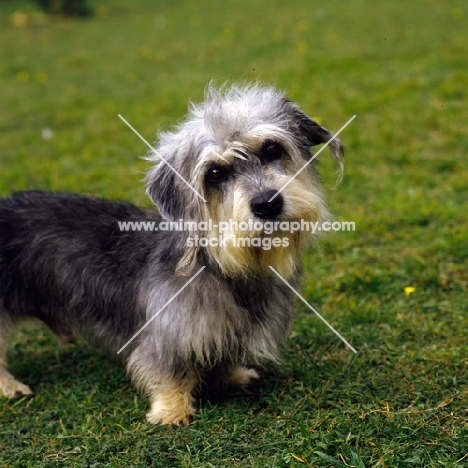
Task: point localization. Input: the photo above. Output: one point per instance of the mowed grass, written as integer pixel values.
(402, 400)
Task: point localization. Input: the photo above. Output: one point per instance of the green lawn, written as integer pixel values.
(402, 68)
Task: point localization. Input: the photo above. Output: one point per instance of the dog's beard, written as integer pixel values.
(265, 243)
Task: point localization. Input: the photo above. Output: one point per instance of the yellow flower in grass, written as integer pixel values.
(42, 78)
(20, 19)
(409, 290)
(22, 76)
(302, 47)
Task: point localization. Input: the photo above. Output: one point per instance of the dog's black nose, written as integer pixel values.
(265, 209)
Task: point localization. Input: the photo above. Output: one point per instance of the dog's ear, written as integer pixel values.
(162, 188)
(310, 133)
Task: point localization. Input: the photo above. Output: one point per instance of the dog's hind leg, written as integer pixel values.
(240, 377)
(9, 386)
(233, 376)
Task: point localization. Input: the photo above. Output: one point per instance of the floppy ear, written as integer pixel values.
(162, 188)
(310, 133)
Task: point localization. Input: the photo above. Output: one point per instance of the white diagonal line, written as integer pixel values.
(312, 158)
(314, 311)
(161, 309)
(161, 158)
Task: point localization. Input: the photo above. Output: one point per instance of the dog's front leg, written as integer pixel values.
(172, 402)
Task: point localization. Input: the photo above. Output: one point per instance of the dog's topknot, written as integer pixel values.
(237, 110)
(232, 111)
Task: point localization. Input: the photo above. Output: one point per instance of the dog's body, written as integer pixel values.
(64, 259)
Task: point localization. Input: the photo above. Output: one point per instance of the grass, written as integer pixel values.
(403, 399)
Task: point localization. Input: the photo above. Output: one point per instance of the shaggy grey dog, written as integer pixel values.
(180, 306)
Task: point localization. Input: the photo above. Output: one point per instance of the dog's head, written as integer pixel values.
(242, 164)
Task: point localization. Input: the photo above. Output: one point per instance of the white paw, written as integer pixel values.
(242, 377)
(11, 387)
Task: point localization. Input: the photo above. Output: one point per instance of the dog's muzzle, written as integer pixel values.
(263, 208)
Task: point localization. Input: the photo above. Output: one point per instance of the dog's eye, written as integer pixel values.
(215, 175)
(272, 151)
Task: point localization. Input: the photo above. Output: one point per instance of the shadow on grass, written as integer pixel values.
(38, 360)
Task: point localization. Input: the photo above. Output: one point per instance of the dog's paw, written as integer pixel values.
(241, 377)
(10, 387)
(180, 417)
(172, 405)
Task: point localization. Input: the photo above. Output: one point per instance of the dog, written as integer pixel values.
(180, 312)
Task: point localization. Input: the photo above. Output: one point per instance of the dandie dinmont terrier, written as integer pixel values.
(181, 306)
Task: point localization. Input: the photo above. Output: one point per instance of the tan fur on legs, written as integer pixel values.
(11, 387)
(172, 403)
(238, 377)
(241, 377)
